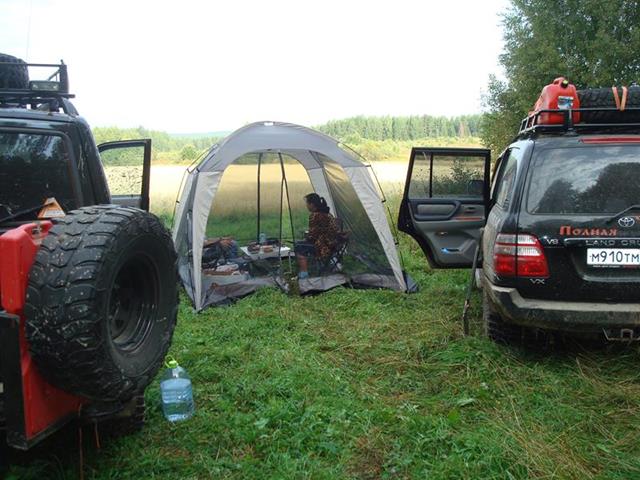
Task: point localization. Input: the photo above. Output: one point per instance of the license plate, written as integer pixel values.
(613, 257)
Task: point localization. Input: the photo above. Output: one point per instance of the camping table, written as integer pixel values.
(282, 252)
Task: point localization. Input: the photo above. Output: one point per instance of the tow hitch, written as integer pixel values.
(622, 334)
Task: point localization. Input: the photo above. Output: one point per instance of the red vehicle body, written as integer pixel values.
(32, 407)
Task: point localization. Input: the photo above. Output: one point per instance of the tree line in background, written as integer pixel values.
(403, 128)
(591, 42)
(375, 138)
(166, 147)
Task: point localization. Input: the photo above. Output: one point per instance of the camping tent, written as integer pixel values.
(368, 256)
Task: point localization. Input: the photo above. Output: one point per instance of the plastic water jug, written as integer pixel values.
(262, 238)
(176, 392)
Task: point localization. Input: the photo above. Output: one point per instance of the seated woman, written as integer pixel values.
(322, 237)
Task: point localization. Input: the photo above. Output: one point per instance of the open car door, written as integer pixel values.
(445, 202)
(127, 164)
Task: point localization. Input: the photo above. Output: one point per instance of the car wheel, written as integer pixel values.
(102, 302)
(495, 327)
(505, 333)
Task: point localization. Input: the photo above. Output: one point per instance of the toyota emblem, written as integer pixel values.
(627, 222)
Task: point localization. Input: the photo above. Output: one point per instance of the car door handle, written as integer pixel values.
(470, 209)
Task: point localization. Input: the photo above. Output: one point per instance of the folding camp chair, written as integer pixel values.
(333, 262)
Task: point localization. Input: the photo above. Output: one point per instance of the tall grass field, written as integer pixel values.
(364, 384)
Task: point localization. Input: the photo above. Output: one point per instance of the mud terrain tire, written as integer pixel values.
(13, 76)
(102, 302)
(495, 327)
(505, 333)
(603, 98)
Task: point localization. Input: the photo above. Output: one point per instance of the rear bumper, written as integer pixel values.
(565, 316)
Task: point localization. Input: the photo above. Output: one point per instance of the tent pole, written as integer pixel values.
(280, 219)
(258, 220)
(286, 186)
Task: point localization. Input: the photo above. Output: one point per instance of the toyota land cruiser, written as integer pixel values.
(558, 224)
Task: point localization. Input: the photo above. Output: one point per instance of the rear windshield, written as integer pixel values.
(33, 167)
(599, 179)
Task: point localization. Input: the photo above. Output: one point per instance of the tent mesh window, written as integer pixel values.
(365, 253)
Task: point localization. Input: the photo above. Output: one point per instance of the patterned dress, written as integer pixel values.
(323, 233)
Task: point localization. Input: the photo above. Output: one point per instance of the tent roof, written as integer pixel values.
(294, 140)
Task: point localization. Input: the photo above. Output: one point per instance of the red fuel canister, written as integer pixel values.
(559, 95)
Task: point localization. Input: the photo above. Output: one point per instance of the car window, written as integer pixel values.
(505, 180)
(34, 167)
(597, 179)
(419, 185)
(447, 176)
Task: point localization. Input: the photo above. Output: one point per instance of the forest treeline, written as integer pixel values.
(165, 147)
(376, 138)
(163, 141)
(403, 128)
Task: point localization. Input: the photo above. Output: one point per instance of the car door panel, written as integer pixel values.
(129, 162)
(447, 210)
(453, 239)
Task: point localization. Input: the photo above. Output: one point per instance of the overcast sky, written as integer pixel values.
(201, 66)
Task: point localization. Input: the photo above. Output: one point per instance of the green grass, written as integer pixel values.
(370, 384)
(374, 385)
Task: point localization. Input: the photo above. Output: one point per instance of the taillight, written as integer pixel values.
(519, 255)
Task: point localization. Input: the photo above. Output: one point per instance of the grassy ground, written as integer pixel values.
(373, 384)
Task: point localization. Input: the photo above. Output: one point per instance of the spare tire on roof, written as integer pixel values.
(15, 76)
(604, 98)
(102, 302)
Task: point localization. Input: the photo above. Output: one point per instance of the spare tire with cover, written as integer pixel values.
(14, 76)
(102, 302)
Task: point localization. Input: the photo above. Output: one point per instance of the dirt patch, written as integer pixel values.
(368, 461)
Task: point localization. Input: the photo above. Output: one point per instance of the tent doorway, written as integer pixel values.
(256, 218)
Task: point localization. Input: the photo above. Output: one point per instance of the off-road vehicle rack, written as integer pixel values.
(51, 94)
(531, 124)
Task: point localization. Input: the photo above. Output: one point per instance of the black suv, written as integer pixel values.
(558, 225)
(89, 304)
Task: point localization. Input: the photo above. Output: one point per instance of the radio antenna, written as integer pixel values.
(26, 57)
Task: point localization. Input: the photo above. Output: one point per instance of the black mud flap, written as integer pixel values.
(12, 380)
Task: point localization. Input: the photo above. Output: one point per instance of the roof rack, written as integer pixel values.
(52, 92)
(530, 124)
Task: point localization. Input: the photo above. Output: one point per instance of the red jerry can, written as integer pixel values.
(559, 95)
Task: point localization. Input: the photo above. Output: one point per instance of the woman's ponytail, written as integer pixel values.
(324, 208)
(317, 201)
